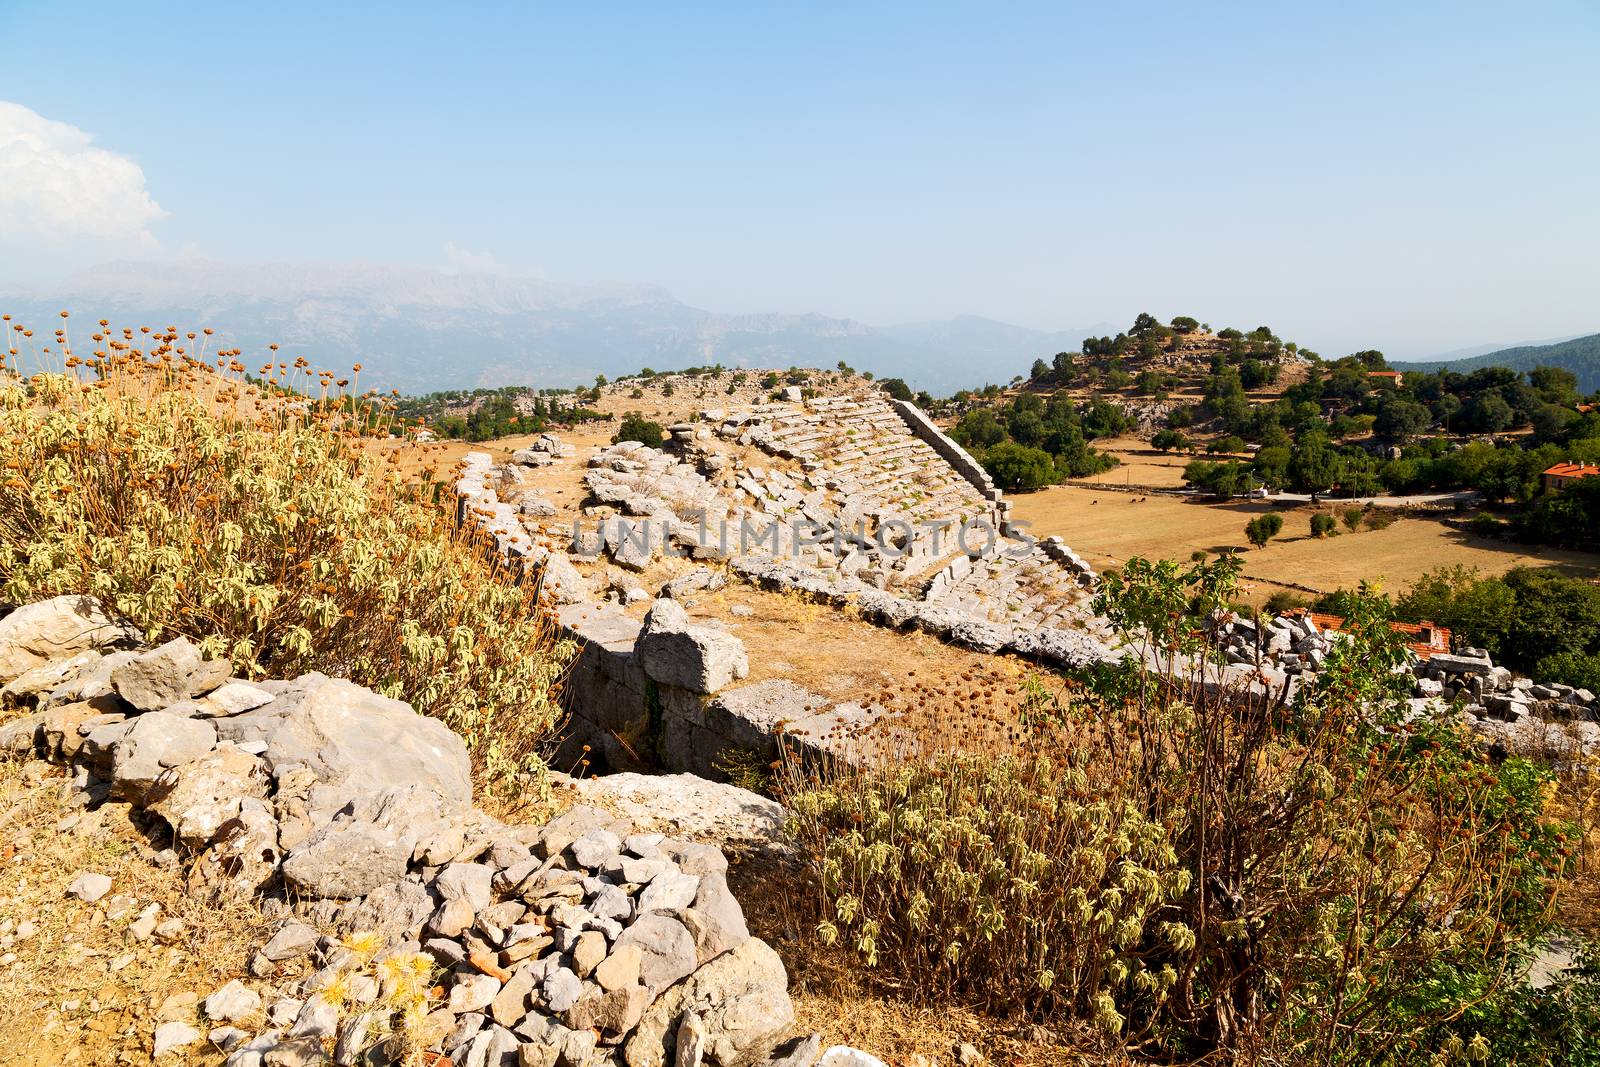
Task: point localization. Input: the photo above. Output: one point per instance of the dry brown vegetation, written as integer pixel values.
(81, 989)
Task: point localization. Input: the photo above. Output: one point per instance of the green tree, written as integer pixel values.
(1263, 528)
(1014, 466)
(1400, 420)
(896, 388)
(634, 427)
(1170, 441)
(1323, 525)
(1313, 465)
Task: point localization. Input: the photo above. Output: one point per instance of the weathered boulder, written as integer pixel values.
(373, 842)
(697, 658)
(244, 853)
(197, 797)
(167, 674)
(687, 805)
(153, 743)
(741, 999)
(667, 946)
(59, 628)
(355, 742)
(27, 688)
(347, 859)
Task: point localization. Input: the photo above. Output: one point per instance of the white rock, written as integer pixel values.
(473, 993)
(172, 1036)
(231, 1003)
(90, 887)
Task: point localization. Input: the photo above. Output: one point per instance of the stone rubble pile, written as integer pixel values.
(578, 943)
(1519, 714)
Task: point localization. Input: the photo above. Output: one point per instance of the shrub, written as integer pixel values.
(1263, 528)
(1580, 670)
(1486, 525)
(896, 388)
(1192, 869)
(267, 530)
(1351, 517)
(1284, 600)
(635, 427)
(1170, 441)
(1323, 525)
(1015, 466)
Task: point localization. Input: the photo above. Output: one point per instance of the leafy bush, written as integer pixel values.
(1351, 517)
(267, 530)
(1014, 466)
(1192, 869)
(1170, 441)
(896, 388)
(635, 427)
(1323, 525)
(1263, 528)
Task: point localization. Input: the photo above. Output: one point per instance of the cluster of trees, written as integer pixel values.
(1256, 355)
(1034, 441)
(501, 412)
(1538, 622)
(635, 427)
(1306, 441)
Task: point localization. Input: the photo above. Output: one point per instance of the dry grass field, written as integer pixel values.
(1108, 528)
(1140, 464)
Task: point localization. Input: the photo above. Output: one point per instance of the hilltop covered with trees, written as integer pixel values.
(483, 414)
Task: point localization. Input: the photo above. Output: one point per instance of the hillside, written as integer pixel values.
(422, 331)
(1581, 356)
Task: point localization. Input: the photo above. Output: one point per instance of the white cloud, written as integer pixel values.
(57, 186)
(465, 261)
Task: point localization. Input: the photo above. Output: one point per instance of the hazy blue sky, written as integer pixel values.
(1410, 176)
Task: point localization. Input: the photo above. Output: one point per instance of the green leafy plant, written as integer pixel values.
(266, 526)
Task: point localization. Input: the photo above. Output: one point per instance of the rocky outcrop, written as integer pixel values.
(697, 658)
(588, 940)
(57, 629)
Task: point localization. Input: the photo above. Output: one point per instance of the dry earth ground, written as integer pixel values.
(1108, 528)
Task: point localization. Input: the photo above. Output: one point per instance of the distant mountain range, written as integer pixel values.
(420, 331)
(1580, 355)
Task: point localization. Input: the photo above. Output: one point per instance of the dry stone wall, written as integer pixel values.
(578, 943)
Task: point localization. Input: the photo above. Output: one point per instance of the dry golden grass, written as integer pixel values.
(81, 990)
(1108, 528)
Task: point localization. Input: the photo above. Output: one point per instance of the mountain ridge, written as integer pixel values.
(1580, 355)
(422, 330)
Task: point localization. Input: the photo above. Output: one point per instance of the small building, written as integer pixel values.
(1394, 376)
(1425, 638)
(1564, 474)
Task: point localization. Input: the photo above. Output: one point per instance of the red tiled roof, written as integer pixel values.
(1437, 638)
(1573, 470)
(1383, 374)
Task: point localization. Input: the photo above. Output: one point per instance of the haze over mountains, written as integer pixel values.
(1580, 355)
(420, 330)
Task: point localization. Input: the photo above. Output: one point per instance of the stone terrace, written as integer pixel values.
(851, 504)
